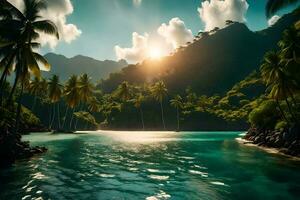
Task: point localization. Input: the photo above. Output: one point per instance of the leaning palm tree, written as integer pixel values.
(277, 82)
(178, 104)
(159, 91)
(54, 94)
(72, 96)
(275, 5)
(27, 24)
(137, 102)
(24, 27)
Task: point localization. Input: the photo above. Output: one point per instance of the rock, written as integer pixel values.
(278, 142)
(258, 139)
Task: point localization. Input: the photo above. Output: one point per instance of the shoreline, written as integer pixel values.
(269, 150)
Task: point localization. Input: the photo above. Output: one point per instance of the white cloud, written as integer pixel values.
(137, 52)
(273, 20)
(57, 11)
(214, 13)
(175, 32)
(137, 2)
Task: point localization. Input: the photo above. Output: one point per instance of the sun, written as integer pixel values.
(155, 53)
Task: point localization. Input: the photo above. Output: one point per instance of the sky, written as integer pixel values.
(135, 29)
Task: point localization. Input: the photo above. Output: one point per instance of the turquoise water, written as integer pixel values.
(153, 165)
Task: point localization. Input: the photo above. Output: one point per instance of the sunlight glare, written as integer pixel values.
(155, 53)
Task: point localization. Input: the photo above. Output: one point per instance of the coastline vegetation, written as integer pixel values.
(267, 99)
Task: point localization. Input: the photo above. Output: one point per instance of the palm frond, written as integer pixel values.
(41, 59)
(47, 27)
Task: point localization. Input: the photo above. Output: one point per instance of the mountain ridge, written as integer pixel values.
(211, 64)
(79, 64)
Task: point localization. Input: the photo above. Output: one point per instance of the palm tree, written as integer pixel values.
(124, 91)
(290, 56)
(54, 94)
(159, 91)
(24, 27)
(86, 91)
(275, 5)
(278, 84)
(72, 96)
(137, 102)
(290, 45)
(108, 104)
(37, 88)
(34, 90)
(20, 49)
(86, 88)
(177, 103)
(94, 105)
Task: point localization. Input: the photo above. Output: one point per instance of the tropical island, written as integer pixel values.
(227, 78)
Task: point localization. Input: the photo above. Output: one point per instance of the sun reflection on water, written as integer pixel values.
(140, 136)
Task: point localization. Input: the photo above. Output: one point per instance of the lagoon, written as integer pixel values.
(108, 165)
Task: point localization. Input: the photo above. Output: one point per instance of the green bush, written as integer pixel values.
(265, 116)
(281, 125)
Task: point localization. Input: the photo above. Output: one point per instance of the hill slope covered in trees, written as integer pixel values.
(213, 63)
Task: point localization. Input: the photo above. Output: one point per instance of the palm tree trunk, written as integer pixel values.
(282, 112)
(65, 118)
(53, 116)
(86, 124)
(2, 81)
(50, 116)
(13, 89)
(3, 77)
(294, 102)
(34, 102)
(290, 110)
(142, 118)
(162, 115)
(71, 121)
(178, 126)
(58, 116)
(18, 115)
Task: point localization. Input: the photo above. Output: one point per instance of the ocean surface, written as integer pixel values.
(108, 165)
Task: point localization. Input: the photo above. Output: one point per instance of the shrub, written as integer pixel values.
(281, 125)
(265, 115)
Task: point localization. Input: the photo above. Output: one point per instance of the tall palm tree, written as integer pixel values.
(28, 25)
(38, 89)
(137, 102)
(278, 84)
(159, 91)
(86, 88)
(176, 102)
(19, 49)
(86, 91)
(54, 94)
(290, 56)
(275, 5)
(72, 96)
(34, 90)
